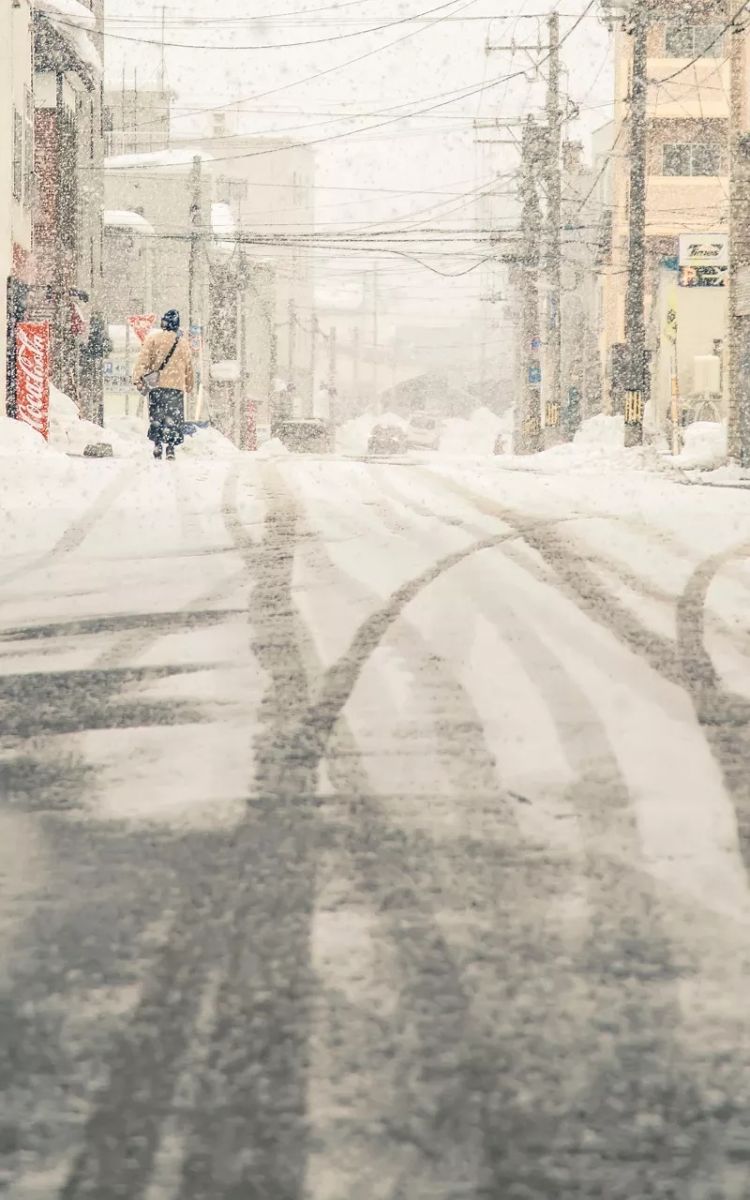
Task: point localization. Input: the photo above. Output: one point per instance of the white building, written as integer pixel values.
(16, 174)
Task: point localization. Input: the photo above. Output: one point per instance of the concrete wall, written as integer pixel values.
(691, 108)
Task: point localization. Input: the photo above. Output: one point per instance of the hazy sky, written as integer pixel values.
(405, 65)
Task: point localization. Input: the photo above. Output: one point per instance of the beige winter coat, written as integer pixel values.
(178, 373)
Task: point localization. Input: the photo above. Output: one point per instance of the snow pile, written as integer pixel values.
(73, 12)
(200, 441)
(273, 448)
(223, 228)
(131, 428)
(71, 434)
(226, 371)
(704, 446)
(598, 446)
(208, 443)
(602, 432)
(19, 440)
(123, 218)
(353, 436)
(478, 434)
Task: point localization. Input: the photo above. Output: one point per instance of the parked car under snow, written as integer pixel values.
(387, 439)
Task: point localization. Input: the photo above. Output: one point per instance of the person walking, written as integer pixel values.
(164, 373)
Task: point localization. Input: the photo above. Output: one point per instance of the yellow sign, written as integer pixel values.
(633, 408)
(532, 426)
(552, 413)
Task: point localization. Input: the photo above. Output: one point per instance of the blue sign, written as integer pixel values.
(535, 374)
(536, 343)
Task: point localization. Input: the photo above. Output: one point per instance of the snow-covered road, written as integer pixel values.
(373, 830)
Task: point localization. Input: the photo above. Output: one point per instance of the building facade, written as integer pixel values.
(16, 180)
(68, 204)
(687, 197)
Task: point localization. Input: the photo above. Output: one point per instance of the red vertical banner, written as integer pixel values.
(32, 375)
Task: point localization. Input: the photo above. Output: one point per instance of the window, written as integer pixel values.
(692, 158)
(693, 41)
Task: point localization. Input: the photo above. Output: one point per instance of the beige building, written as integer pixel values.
(687, 193)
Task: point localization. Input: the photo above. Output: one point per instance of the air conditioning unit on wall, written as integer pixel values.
(706, 375)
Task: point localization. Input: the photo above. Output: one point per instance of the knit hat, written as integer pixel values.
(171, 320)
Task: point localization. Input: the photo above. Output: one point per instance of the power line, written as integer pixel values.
(403, 116)
(339, 37)
(317, 74)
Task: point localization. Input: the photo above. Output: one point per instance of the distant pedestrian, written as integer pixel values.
(164, 372)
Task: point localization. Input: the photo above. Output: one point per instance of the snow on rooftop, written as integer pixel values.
(175, 157)
(224, 228)
(222, 220)
(121, 218)
(73, 21)
(73, 12)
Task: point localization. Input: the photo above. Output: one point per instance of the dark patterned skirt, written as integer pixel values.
(166, 414)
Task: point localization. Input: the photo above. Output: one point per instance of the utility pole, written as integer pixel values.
(248, 417)
(356, 347)
(195, 217)
(375, 345)
(553, 263)
(738, 405)
(163, 72)
(637, 391)
(314, 331)
(332, 372)
(273, 370)
(292, 341)
(531, 415)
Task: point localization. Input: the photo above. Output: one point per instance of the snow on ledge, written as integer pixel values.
(71, 11)
(121, 218)
(227, 371)
(74, 22)
(222, 220)
(181, 158)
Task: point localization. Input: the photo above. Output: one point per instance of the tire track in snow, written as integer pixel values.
(248, 1136)
(578, 581)
(419, 659)
(252, 918)
(275, 1131)
(81, 527)
(421, 1138)
(385, 869)
(723, 716)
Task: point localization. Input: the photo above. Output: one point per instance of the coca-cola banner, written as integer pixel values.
(32, 375)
